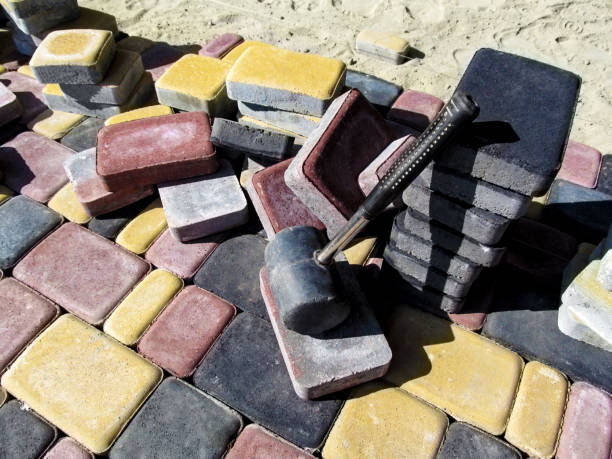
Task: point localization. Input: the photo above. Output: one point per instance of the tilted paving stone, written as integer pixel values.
(83, 136)
(138, 114)
(380, 93)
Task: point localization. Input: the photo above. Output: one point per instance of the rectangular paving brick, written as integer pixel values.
(245, 370)
(368, 425)
(10, 107)
(382, 45)
(468, 376)
(463, 440)
(380, 93)
(158, 58)
(139, 113)
(587, 424)
(178, 420)
(84, 382)
(275, 77)
(256, 442)
(66, 203)
(415, 109)
(53, 124)
(28, 92)
(67, 448)
(155, 150)
(110, 225)
(220, 45)
(535, 421)
(81, 271)
(24, 434)
(296, 123)
(83, 136)
(325, 173)
(580, 164)
(140, 232)
(141, 306)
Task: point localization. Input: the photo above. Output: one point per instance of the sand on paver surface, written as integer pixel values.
(574, 35)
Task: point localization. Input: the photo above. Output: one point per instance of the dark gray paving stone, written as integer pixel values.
(23, 222)
(245, 370)
(178, 421)
(109, 225)
(604, 181)
(380, 93)
(232, 272)
(466, 442)
(84, 135)
(23, 435)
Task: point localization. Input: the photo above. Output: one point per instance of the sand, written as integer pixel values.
(574, 35)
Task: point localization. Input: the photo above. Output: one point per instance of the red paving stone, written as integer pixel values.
(255, 442)
(221, 45)
(580, 164)
(415, 109)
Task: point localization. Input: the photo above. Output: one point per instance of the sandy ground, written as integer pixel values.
(575, 35)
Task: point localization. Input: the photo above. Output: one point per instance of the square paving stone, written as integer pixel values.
(84, 382)
(294, 122)
(23, 222)
(158, 58)
(67, 448)
(24, 434)
(604, 182)
(73, 56)
(245, 370)
(325, 173)
(53, 124)
(23, 314)
(468, 376)
(155, 150)
(83, 136)
(369, 425)
(580, 164)
(34, 165)
(140, 232)
(66, 203)
(220, 45)
(275, 77)
(131, 318)
(110, 225)
(10, 107)
(178, 421)
(255, 442)
(380, 93)
(463, 440)
(382, 45)
(81, 271)
(415, 109)
(139, 113)
(183, 333)
(587, 424)
(28, 92)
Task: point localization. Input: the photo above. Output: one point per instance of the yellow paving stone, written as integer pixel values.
(54, 124)
(2, 396)
(385, 422)
(5, 193)
(383, 39)
(26, 70)
(537, 415)
(53, 89)
(359, 250)
(139, 113)
(536, 207)
(66, 203)
(235, 53)
(82, 381)
(140, 233)
(470, 377)
(2, 69)
(132, 317)
(71, 47)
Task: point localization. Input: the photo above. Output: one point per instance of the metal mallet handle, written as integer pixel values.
(456, 114)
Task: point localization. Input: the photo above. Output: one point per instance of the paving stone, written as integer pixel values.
(35, 17)
(382, 45)
(84, 382)
(415, 109)
(359, 250)
(10, 107)
(468, 376)
(275, 77)
(34, 165)
(294, 122)
(67, 448)
(245, 370)
(220, 45)
(141, 306)
(604, 182)
(465, 441)
(587, 424)
(83, 136)
(178, 421)
(66, 203)
(475, 223)
(535, 421)
(110, 225)
(256, 442)
(28, 92)
(138, 235)
(139, 113)
(53, 124)
(135, 44)
(24, 434)
(23, 222)
(239, 50)
(324, 174)
(132, 153)
(380, 93)
(71, 260)
(158, 58)
(253, 122)
(183, 333)
(580, 164)
(23, 314)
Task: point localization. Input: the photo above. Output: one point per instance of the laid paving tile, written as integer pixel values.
(463, 440)
(135, 44)
(382, 45)
(66, 203)
(34, 17)
(23, 222)
(604, 182)
(380, 93)
(54, 125)
(10, 107)
(416, 109)
(587, 424)
(274, 77)
(535, 421)
(256, 442)
(468, 376)
(183, 333)
(239, 50)
(28, 92)
(367, 425)
(220, 45)
(24, 434)
(294, 122)
(67, 448)
(132, 154)
(245, 370)
(159, 57)
(138, 235)
(110, 225)
(83, 136)
(139, 113)
(141, 306)
(580, 164)
(232, 272)
(84, 382)
(70, 261)
(324, 174)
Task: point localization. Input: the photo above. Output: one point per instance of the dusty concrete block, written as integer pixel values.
(84, 135)
(380, 93)
(10, 107)
(221, 45)
(24, 434)
(580, 164)
(415, 109)
(382, 45)
(294, 122)
(463, 440)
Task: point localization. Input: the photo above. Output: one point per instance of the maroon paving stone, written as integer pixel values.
(23, 314)
(158, 58)
(221, 45)
(28, 92)
(81, 271)
(580, 164)
(33, 165)
(155, 150)
(587, 426)
(255, 442)
(415, 109)
(276, 205)
(183, 333)
(67, 448)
